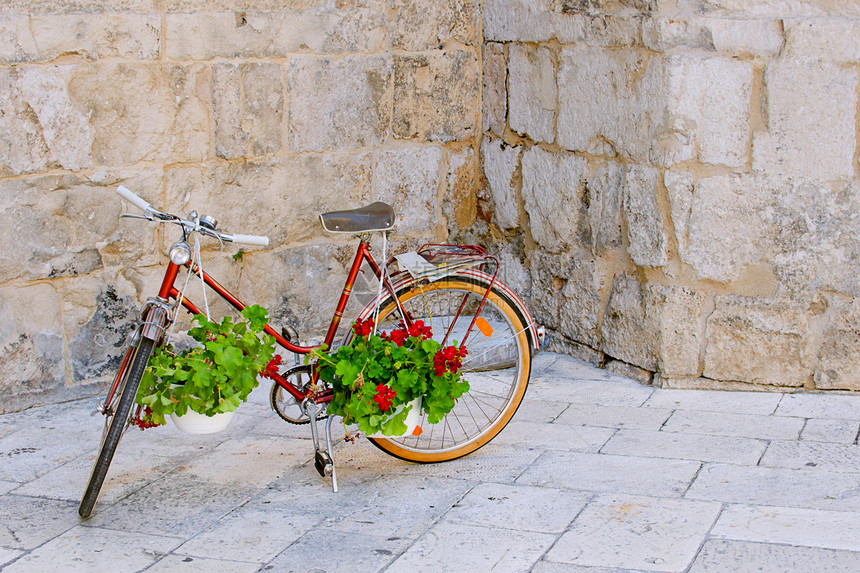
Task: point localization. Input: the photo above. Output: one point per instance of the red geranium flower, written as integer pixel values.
(272, 367)
(384, 397)
(448, 359)
(362, 327)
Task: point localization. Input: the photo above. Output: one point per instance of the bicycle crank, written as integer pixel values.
(285, 403)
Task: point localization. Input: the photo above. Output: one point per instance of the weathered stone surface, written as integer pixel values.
(773, 8)
(63, 226)
(816, 230)
(42, 127)
(631, 329)
(839, 355)
(338, 104)
(202, 35)
(726, 228)
(287, 194)
(300, 286)
(679, 185)
(552, 193)
(742, 330)
(501, 162)
(645, 232)
(599, 102)
(718, 554)
(811, 112)
(629, 371)
(459, 204)
(605, 191)
(32, 358)
(833, 40)
(517, 20)
(494, 76)
(77, 6)
(580, 305)
(97, 347)
(732, 37)
(532, 92)
(681, 315)
(408, 180)
(706, 110)
(416, 25)
(151, 112)
(436, 96)
(248, 104)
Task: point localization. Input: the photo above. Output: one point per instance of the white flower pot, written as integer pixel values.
(413, 420)
(193, 423)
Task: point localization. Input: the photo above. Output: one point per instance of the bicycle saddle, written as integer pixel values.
(375, 217)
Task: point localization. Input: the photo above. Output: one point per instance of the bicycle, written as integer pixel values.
(454, 291)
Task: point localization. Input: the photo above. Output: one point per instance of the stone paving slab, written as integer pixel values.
(595, 474)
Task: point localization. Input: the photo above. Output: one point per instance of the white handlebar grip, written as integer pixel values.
(251, 240)
(132, 198)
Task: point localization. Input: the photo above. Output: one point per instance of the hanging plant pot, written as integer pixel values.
(413, 420)
(193, 423)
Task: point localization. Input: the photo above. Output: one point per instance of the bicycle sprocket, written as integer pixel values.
(285, 404)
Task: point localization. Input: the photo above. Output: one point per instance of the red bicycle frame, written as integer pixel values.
(168, 291)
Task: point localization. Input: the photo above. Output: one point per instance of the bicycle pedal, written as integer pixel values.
(323, 464)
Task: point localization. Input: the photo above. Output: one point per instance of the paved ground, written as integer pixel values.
(596, 473)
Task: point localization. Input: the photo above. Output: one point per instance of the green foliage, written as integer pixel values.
(375, 377)
(239, 255)
(214, 377)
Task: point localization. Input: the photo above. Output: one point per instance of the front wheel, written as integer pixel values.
(116, 423)
(497, 366)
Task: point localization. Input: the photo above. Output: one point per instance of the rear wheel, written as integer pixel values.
(497, 365)
(116, 422)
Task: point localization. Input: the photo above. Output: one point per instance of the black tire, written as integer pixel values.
(118, 422)
(498, 375)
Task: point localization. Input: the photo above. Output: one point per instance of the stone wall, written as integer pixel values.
(263, 113)
(682, 179)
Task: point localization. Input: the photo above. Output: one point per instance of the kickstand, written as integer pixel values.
(323, 461)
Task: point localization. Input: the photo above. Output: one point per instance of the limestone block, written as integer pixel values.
(839, 356)
(416, 25)
(43, 127)
(681, 315)
(494, 76)
(532, 92)
(605, 191)
(727, 36)
(99, 318)
(648, 241)
(408, 180)
(517, 20)
(604, 30)
(337, 104)
(553, 187)
(500, 165)
(299, 286)
(743, 330)
(80, 6)
(459, 203)
(727, 225)
(285, 195)
(815, 243)
(706, 110)
(512, 270)
(631, 329)
(599, 107)
(811, 111)
(248, 104)
(679, 185)
(58, 226)
(31, 342)
(203, 35)
(93, 36)
(149, 113)
(436, 96)
(580, 305)
(826, 39)
(773, 8)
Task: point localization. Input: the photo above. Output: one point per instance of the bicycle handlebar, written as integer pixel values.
(150, 212)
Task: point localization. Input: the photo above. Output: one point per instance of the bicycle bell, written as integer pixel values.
(208, 221)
